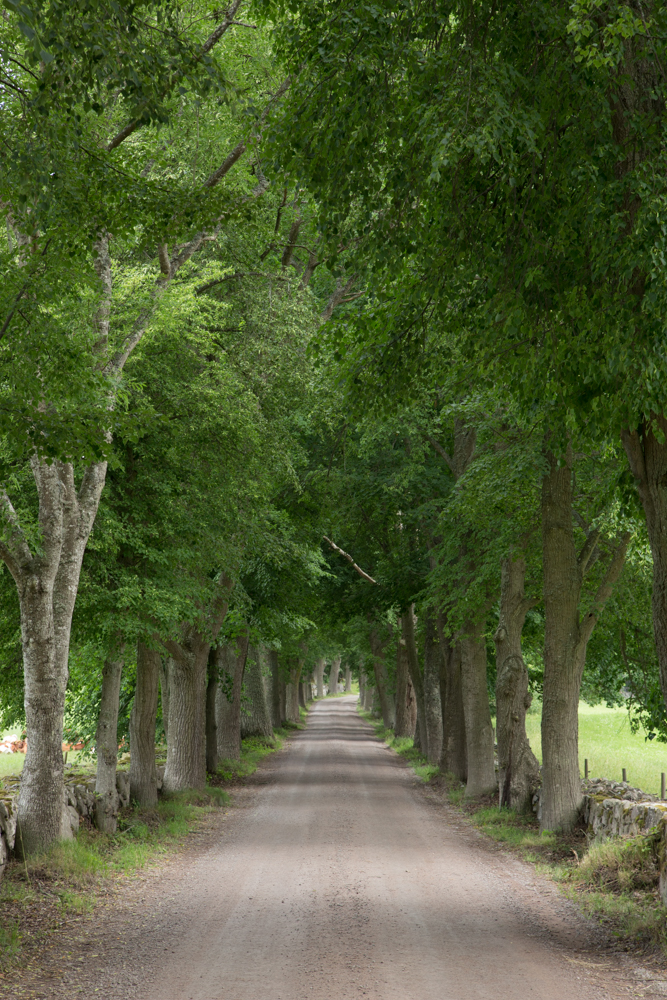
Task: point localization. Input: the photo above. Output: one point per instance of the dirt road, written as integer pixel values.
(340, 880)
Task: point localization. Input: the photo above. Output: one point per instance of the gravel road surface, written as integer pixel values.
(338, 875)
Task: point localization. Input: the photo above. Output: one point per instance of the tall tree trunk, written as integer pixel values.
(47, 583)
(369, 698)
(432, 703)
(282, 694)
(362, 685)
(292, 691)
(518, 769)
(211, 724)
(106, 742)
(303, 702)
(334, 670)
(186, 747)
(319, 677)
(453, 759)
(479, 731)
(387, 707)
(565, 642)
(348, 679)
(561, 782)
(648, 462)
(402, 726)
(143, 774)
(164, 697)
(231, 661)
(255, 717)
(454, 742)
(408, 629)
(277, 713)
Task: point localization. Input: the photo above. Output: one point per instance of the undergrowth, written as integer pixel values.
(615, 881)
(253, 750)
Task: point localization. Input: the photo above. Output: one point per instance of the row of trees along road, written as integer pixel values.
(329, 335)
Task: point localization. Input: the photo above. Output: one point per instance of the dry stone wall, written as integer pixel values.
(78, 806)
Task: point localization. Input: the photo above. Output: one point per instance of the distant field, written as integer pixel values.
(605, 739)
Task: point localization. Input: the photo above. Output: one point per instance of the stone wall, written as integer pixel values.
(78, 806)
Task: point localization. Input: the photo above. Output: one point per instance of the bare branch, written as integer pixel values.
(14, 550)
(441, 451)
(163, 257)
(349, 558)
(587, 554)
(309, 270)
(291, 240)
(606, 587)
(226, 165)
(5, 325)
(216, 35)
(336, 299)
(212, 40)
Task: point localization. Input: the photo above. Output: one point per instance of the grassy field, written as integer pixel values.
(606, 740)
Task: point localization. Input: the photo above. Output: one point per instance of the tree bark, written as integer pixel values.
(369, 698)
(479, 731)
(277, 712)
(47, 584)
(565, 642)
(303, 700)
(231, 661)
(432, 703)
(255, 717)
(164, 698)
(408, 629)
(518, 769)
(211, 724)
(454, 753)
(143, 774)
(387, 707)
(186, 747)
(106, 743)
(319, 677)
(348, 680)
(648, 462)
(334, 670)
(402, 726)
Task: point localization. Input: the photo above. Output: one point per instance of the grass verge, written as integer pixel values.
(404, 747)
(55, 890)
(615, 881)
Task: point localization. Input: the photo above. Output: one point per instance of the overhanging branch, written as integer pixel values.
(349, 558)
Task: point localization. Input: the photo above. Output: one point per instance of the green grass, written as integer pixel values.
(617, 882)
(403, 745)
(606, 740)
(253, 750)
